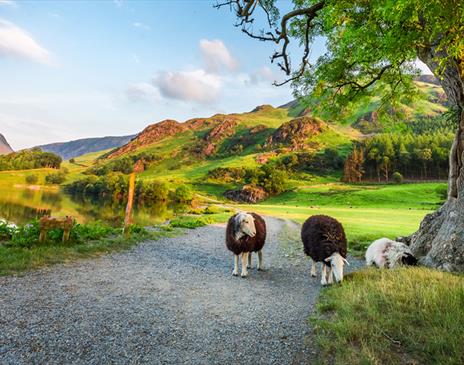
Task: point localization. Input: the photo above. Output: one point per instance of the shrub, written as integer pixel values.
(190, 222)
(72, 160)
(55, 178)
(32, 179)
(183, 194)
(397, 178)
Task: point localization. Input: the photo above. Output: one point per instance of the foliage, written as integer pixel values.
(354, 166)
(397, 177)
(407, 315)
(32, 179)
(29, 159)
(115, 185)
(328, 160)
(413, 156)
(123, 164)
(55, 178)
(183, 194)
(190, 222)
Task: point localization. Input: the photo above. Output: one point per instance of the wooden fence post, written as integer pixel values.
(138, 167)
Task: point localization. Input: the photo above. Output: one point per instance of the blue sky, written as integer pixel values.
(75, 69)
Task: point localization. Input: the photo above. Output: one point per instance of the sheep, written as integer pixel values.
(246, 233)
(385, 253)
(324, 241)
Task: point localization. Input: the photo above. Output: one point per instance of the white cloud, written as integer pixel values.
(141, 26)
(422, 67)
(195, 86)
(216, 56)
(7, 2)
(262, 75)
(143, 92)
(15, 41)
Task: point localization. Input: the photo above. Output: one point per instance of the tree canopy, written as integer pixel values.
(371, 45)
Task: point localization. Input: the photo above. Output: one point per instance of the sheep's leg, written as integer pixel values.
(249, 261)
(330, 281)
(235, 272)
(260, 260)
(244, 264)
(324, 275)
(313, 269)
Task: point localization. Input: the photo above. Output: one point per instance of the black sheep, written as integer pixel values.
(324, 241)
(246, 233)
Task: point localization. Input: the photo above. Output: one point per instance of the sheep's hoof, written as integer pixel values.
(261, 269)
(244, 275)
(234, 273)
(313, 275)
(248, 267)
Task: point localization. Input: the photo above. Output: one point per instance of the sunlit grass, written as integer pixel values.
(403, 316)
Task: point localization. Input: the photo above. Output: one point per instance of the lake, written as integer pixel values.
(20, 204)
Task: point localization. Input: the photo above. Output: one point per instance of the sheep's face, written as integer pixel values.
(246, 225)
(408, 259)
(337, 262)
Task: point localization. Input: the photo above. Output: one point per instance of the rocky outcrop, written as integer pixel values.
(295, 132)
(5, 148)
(210, 142)
(153, 133)
(248, 194)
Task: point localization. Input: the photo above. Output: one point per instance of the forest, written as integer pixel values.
(29, 159)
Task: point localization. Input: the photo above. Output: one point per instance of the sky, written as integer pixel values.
(78, 69)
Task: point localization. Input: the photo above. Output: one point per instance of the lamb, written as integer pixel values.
(385, 253)
(246, 233)
(324, 241)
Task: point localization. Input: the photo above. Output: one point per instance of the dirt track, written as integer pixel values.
(167, 301)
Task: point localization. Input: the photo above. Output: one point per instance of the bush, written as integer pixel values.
(183, 194)
(72, 160)
(55, 178)
(397, 178)
(190, 222)
(32, 179)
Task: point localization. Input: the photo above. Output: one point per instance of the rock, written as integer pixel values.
(295, 132)
(248, 194)
(151, 134)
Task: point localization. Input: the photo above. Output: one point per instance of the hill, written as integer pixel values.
(80, 147)
(5, 148)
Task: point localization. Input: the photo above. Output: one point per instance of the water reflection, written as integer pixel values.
(21, 205)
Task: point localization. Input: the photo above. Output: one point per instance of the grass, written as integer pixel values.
(403, 316)
(17, 258)
(367, 212)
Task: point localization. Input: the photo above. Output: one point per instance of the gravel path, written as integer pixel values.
(168, 301)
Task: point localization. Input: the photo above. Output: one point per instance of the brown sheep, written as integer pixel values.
(324, 241)
(246, 233)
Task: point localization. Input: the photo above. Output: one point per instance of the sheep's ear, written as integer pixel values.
(327, 259)
(346, 262)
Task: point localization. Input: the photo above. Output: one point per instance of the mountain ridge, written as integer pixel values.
(5, 147)
(79, 147)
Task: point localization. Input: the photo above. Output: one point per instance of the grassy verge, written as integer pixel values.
(23, 252)
(404, 316)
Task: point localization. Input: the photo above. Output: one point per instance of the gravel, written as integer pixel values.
(170, 301)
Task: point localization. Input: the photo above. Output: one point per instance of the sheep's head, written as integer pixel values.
(337, 262)
(244, 225)
(408, 259)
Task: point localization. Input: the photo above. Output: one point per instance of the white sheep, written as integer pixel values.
(385, 253)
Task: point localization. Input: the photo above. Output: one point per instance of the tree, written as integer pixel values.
(371, 47)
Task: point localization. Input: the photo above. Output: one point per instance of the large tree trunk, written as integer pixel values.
(439, 242)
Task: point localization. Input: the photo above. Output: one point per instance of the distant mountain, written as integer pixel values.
(80, 147)
(4, 146)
